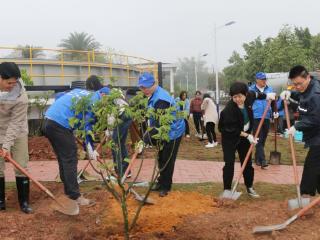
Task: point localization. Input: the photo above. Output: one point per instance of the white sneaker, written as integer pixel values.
(252, 193)
(210, 145)
(82, 201)
(198, 135)
(204, 136)
(187, 136)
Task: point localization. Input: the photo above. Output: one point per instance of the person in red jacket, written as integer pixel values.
(195, 110)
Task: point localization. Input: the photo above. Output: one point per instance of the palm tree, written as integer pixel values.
(79, 41)
(24, 51)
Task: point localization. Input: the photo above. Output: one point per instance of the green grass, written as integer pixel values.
(193, 149)
(266, 190)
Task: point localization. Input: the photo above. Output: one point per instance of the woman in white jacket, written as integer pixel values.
(210, 117)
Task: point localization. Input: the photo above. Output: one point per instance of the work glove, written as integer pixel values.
(139, 146)
(285, 95)
(108, 133)
(92, 154)
(292, 131)
(271, 96)
(252, 140)
(275, 115)
(5, 153)
(111, 120)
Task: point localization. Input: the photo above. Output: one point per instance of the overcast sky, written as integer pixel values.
(161, 30)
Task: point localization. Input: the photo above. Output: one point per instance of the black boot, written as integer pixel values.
(23, 187)
(2, 194)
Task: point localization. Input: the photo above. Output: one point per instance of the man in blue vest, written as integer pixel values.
(158, 98)
(60, 134)
(258, 108)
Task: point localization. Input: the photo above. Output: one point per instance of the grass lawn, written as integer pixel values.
(193, 149)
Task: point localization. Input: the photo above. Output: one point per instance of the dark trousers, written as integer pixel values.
(197, 121)
(187, 132)
(166, 159)
(210, 132)
(310, 181)
(120, 152)
(229, 148)
(260, 157)
(65, 148)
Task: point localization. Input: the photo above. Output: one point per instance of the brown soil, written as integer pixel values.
(40, 149)
(180, 215)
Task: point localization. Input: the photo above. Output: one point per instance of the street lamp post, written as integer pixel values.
(196, 69)
(216, 61)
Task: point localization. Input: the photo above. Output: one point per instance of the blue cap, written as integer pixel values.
(105, 90)
(261, 75)
(146, 80)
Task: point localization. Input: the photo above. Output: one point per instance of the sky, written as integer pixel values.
(163, 30)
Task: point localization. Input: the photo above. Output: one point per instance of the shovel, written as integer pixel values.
(83, 175)
(233, 194)
(275, 156)
(63, 204)
(264, 229)
(298, 202)
(137, 196)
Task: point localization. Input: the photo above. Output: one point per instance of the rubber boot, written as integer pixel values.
(23, 187)
(2, 194)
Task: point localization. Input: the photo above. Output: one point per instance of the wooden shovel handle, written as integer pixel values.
(21, 169)
(292, 148)
(252, 145)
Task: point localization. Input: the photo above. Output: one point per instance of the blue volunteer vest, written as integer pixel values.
(178, 125)
(260, 104)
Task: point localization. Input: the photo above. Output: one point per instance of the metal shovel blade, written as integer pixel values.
(295, 203)
(228, 194)
(141, 198)
(271, 228)
(275, 158)
(65, 205)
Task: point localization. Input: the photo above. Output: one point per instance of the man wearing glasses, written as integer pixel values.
(307, 91)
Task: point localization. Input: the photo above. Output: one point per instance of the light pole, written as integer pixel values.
(216, 60)
(196, 69)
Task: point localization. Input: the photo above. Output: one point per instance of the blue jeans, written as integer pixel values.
(120, 152)
(260, 157)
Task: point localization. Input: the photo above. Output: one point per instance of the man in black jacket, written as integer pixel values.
(308, 93)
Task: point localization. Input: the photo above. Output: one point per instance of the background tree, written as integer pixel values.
(81, 42)
(23, 51)
(290, 47)
(186, 67)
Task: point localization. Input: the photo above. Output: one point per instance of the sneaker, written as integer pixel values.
(82, 201)
(163, 193)
(252, 193)
(198, 135)
(156, 187)
(204, 136)
(210, 145)
(129, 175)
(264, 166)
(187, 136)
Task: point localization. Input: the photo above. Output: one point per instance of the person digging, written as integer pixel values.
(14, 130)
(235, 125)
(307, 94)
(158, 98)
(60, 134)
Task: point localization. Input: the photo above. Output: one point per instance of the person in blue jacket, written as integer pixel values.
(158, 98)
(258, 108)
(60, 134)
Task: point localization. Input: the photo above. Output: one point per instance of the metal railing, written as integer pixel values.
(86, 60)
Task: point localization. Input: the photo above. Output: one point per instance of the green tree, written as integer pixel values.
(186, 69)
(80, 42)
(24, 51)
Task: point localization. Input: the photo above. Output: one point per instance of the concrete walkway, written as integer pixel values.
(186, 171)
